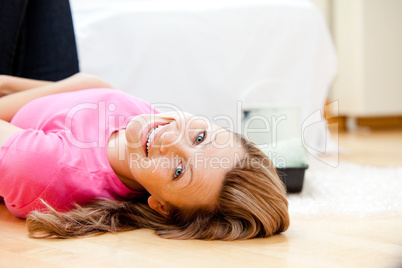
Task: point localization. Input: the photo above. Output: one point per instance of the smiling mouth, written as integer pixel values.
(151, 135)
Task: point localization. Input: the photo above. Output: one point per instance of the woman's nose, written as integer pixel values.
(170, 142)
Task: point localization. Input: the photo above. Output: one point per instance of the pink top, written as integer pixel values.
(61, 155)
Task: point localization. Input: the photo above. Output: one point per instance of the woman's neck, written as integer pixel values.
(117, 156)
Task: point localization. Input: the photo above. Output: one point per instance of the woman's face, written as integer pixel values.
(180, 159)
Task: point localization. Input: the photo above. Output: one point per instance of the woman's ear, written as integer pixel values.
(161, 208)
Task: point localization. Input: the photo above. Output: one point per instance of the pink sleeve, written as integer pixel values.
(28, 162)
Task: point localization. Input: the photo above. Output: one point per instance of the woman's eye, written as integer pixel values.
(200, 138)
(178, 172)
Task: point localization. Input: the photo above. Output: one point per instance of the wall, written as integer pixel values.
(368, 40)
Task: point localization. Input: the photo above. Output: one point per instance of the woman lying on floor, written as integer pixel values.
(78, 158)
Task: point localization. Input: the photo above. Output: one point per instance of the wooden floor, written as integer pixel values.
(380, 147)
(307, 243)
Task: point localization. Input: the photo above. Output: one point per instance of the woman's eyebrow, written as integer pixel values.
(190, 174)
(190, 165)
(205, 144)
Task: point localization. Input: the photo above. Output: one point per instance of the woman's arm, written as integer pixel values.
(10, 104)
(6, 130)
(12, 84)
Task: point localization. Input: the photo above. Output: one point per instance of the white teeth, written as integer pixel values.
(151, 134)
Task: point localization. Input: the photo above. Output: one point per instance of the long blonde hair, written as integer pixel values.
(252, 203)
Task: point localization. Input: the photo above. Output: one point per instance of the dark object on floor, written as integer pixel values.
(292, 177)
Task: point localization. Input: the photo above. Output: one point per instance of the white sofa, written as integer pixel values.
(202, 56)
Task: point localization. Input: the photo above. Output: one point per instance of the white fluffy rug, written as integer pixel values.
(348, 190)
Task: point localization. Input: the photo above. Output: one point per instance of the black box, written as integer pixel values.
(292, 177)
